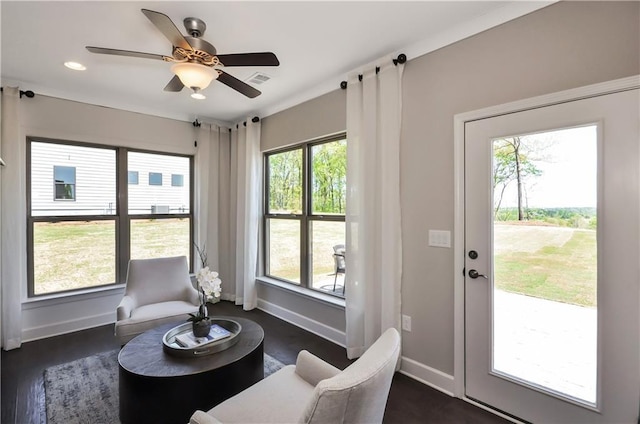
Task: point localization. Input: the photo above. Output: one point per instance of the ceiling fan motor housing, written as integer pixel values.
(203, 52)
(195, 27)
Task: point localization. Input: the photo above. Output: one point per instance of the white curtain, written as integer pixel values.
(207, 172)
(13, 220)
(374, 244)
(245, 210)
(226, 256)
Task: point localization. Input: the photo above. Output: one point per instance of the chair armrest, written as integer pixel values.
(125, 307)
(313, 369)
(200, 417)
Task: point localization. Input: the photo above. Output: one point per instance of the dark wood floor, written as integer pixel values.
(23, 390)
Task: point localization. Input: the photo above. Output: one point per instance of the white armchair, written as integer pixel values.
(313, 391)
(158, 291)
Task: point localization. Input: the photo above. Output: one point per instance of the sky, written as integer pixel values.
(569, 170)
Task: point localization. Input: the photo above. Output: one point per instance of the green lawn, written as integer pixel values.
(73, 255)
(284, 249)
(547, 262)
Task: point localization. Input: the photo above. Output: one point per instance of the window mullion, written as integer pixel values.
(123, 221)
(304, 222)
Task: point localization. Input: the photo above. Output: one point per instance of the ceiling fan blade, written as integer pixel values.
(249, 59)
(168, 28)
(238, 85)
(174, 85)
(116, 52)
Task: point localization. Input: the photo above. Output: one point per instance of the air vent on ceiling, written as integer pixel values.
(258, 78)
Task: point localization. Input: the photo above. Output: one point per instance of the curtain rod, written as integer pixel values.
(254, 120)
(27, 93)
(402, 58)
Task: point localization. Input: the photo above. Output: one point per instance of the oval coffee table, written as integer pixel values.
(156, 387)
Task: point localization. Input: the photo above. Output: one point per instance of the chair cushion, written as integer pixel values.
(150, 316)
(158, 280)
(279, 398)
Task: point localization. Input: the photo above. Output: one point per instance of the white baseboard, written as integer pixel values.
(430, 376)
(11, 344)
(427, 375)
(58, 328)
(336, 336)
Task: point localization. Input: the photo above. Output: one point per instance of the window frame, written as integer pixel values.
(181, 179)
(155, 174)
(305, 218)
(121, 217)
(137, 179)
(56, 184)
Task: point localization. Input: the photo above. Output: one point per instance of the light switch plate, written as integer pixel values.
(439, 238)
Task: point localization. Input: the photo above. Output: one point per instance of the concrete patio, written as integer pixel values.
(547, 343)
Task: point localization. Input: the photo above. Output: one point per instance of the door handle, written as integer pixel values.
(474, 274)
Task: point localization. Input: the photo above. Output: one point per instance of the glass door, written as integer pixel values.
(551, 252)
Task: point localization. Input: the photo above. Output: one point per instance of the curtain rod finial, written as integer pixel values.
(402, 58)
(343, 85)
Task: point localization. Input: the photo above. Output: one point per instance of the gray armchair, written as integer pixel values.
(158, 291)
(313, 391)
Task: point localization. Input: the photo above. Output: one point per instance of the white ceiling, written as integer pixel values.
(317, 42)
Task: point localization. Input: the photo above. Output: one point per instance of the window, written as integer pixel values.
(177, 180)
(132, 176)
(160, 221)
(88, 243)
(305, 196)
(155, 178)
(64, 179)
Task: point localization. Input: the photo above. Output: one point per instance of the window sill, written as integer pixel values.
(336, 302)
(60, 298)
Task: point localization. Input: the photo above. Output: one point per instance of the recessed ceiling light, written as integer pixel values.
(198, 96)
(75, 66)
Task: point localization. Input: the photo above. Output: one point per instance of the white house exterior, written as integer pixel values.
(79, 180)
(172, 196)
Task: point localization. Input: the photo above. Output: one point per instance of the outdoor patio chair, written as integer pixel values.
(340, 264)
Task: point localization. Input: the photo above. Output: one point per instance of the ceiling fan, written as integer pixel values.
(195, 61)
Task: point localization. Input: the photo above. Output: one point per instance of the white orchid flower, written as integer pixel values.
(209, 282)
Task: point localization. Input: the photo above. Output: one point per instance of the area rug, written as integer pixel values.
(86, 390)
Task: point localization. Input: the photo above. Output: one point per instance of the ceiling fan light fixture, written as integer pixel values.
(75, 66)
(194, 75)
(197, 94)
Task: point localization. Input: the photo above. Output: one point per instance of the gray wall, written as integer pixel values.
(317, 117)
(563, 46)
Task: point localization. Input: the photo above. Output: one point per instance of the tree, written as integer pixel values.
(329, 177)
(285, 188)
(512, 162)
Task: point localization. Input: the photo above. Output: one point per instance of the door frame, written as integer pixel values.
(594, 90)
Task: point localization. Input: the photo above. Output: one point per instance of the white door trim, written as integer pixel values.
(459, 121)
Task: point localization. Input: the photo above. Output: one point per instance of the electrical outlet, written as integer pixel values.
(406, 323)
